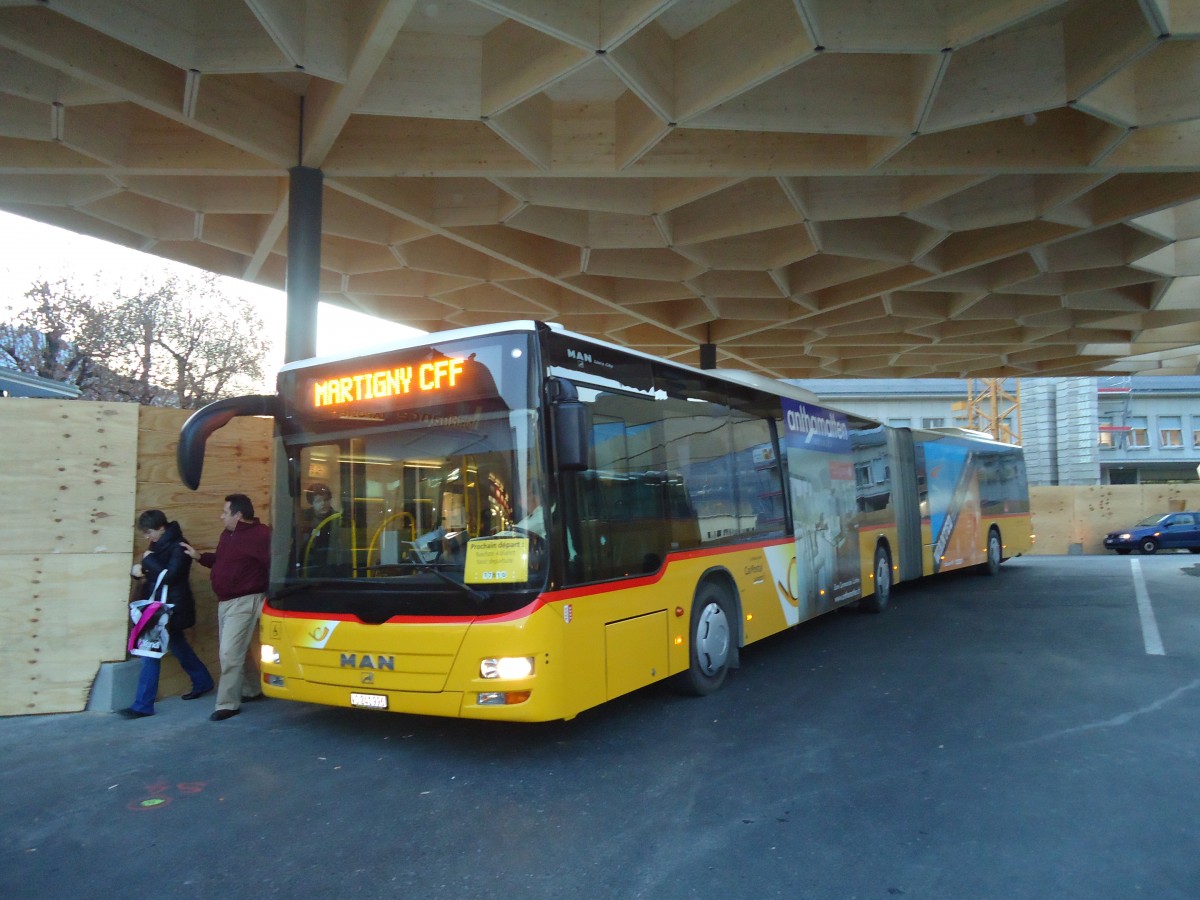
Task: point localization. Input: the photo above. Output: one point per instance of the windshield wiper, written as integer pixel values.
(477, 596)
(434, 569)
(297, 588)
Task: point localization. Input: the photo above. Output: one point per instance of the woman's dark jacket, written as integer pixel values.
(167, 553)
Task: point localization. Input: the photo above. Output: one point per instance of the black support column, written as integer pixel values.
(303, 262)
(708, 356)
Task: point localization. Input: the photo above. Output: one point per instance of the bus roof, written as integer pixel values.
(738, 376)
(417, 340)
(973, 434)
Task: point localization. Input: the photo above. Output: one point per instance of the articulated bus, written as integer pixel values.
(521, 523)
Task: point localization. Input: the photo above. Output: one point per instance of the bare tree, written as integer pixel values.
(183, 343)
(63, 335)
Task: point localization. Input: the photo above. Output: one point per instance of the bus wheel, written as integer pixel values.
(878, 601)
(994, 553)
(712, 642)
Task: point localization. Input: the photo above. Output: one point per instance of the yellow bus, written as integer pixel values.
(516, 522)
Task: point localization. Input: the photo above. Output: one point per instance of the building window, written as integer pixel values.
(1196, 431)
(933, 423)
(1139, 433)
(1107, 438)
(900, 423)
(1170, 432)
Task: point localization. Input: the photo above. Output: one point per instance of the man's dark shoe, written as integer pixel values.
(222, 714)
(252, 699)
(132, 714)
(192, 695)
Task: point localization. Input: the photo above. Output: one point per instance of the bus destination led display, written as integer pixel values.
(347, 391)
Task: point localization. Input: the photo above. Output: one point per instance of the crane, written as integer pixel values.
(994, 406)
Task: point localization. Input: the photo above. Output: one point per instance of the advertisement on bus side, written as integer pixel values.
(821, 476)
(953, 504)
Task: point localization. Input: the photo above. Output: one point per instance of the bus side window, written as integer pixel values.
(699, 453)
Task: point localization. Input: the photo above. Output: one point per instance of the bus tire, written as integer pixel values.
(878, 601)
(995, 553)
(713, 632)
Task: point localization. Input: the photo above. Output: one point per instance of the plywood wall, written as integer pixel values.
(68, 483)
(1075, 519)
(76, 475)
(237, 460)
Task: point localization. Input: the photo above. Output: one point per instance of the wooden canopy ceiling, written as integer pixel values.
(817, 187)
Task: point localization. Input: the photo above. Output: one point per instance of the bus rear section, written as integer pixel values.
(874, 506)
(974, 501)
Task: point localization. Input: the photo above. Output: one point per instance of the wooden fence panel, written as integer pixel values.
(237, 460)
(64, 549)
(1076, 519)
(62, 615)
(76, 476)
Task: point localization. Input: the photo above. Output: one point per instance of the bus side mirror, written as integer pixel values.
(189, 454)
(571, 424)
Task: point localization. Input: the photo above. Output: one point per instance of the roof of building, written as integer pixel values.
(929, 388)
(20, 384)
(818, 188)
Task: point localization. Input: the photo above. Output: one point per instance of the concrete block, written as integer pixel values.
(115, 686)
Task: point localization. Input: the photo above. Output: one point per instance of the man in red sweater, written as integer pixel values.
(241, 569)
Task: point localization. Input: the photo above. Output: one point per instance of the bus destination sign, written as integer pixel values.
(349, 391)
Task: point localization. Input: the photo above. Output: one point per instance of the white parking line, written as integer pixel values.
(1150, 635)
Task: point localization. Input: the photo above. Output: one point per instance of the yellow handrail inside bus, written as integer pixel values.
(412, 526)
(308, 547)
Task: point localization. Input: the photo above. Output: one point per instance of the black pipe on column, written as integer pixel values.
(708, 356)
(303, 262)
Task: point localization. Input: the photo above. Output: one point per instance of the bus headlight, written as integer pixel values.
(270, 655)
(506, 667)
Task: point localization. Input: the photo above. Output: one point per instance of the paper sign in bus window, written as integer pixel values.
(497, 560)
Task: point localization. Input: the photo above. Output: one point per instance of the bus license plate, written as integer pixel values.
(369, 701)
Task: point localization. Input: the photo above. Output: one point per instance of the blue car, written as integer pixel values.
(1160, 532)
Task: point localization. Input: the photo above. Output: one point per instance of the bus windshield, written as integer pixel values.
(434, 510)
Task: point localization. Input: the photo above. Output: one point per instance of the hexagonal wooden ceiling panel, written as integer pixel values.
(817, 187)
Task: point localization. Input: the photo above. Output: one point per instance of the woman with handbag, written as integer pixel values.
(167, 557)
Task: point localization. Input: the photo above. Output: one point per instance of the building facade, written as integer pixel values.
(1076, 431)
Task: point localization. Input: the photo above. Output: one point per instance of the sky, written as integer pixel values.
(31, 251)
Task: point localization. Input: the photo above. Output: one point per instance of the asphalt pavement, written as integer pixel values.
(1008, 737)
